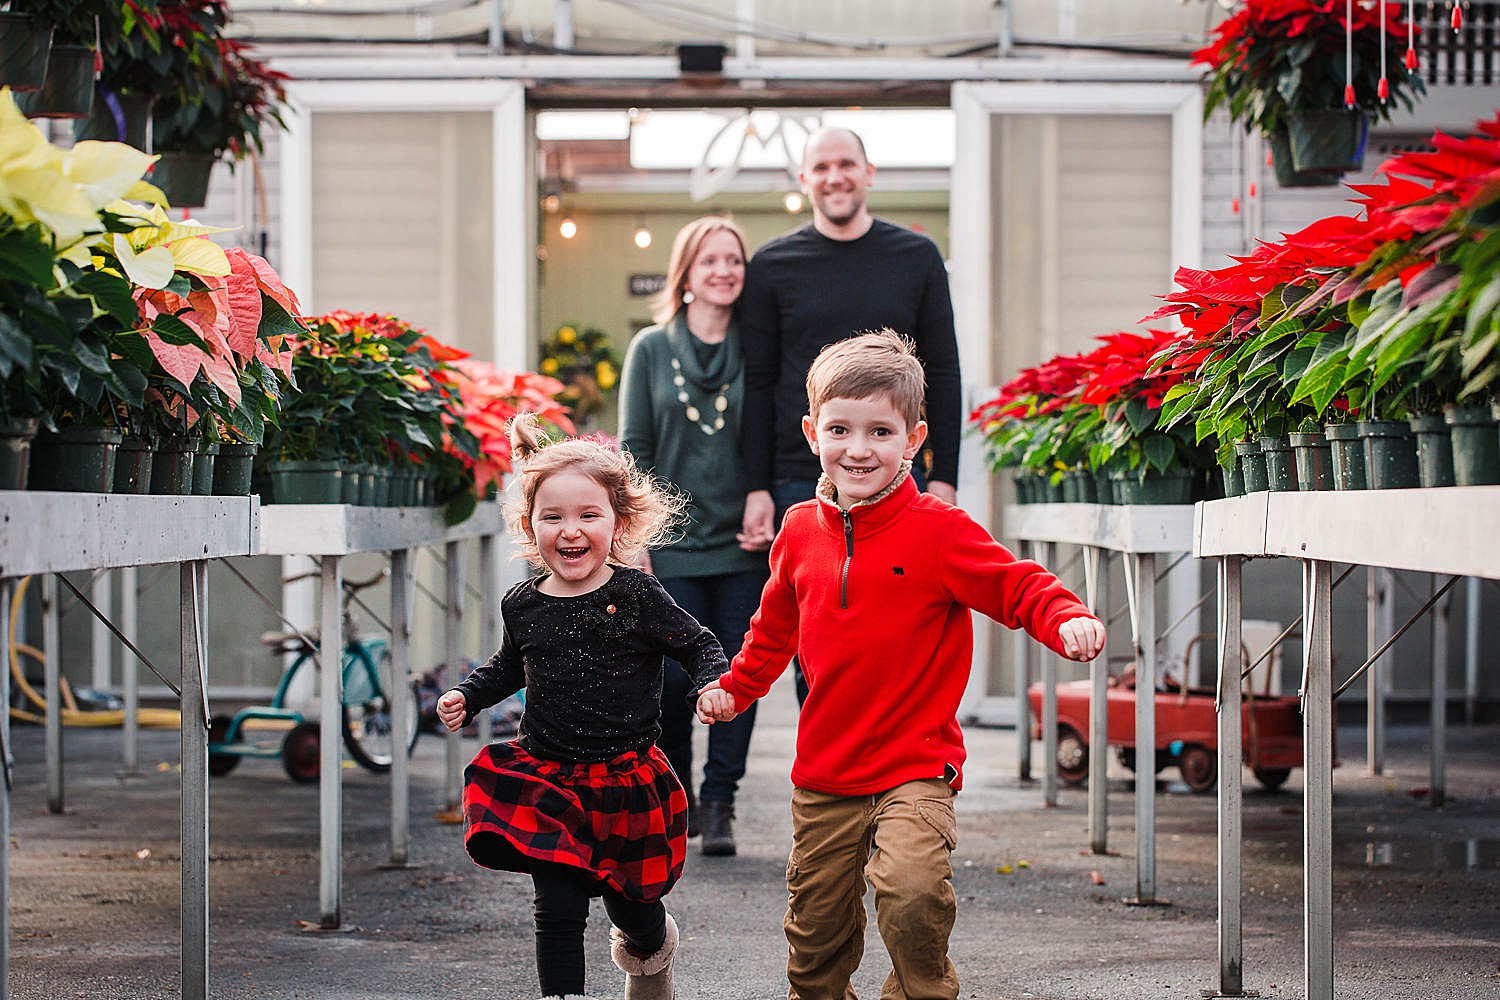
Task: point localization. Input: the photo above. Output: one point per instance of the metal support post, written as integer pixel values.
(7, 591)
(193, 586)
(1231, 778)
(1317, 769)
(489, 616)
(1096, 590)
(330, 751)
(52, 697)
(1046, 555)
(101, 643)
(130, 675)
(1471, 650)
(1140, 579)
(1380, 622)
(453, 610)
(1023, 648)
(401, 707)
(1437, 758)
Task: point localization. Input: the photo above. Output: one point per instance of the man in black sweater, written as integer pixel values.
(846, 273)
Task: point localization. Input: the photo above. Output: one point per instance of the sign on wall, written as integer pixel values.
(647, 284)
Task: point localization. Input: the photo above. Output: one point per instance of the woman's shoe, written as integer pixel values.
(646, 977)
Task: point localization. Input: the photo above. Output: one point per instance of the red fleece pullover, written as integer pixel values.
(874, 601)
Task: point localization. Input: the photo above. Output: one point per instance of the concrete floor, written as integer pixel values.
(94, 892)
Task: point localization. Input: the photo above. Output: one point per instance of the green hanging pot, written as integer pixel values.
(1347, 453)
(183, 178)
(75, 459)
(1287, 175)
(1328, 140)
(117, 118)
(24, 49)
(15, 452)
(68, 90)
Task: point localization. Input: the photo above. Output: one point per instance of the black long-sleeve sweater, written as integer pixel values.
(804, 291)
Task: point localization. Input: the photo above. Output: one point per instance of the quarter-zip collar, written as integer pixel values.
(864, 517)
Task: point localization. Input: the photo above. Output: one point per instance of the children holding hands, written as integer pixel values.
(583, 800)
(871, 588)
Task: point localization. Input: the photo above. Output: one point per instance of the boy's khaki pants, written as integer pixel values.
(900, 840)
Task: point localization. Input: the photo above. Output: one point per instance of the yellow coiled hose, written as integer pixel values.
(72, 715)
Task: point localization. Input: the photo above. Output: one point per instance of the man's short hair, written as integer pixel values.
(882, 364)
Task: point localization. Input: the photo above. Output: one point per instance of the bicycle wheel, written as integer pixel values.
(367, 724)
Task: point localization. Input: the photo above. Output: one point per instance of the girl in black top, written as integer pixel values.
(583, 800)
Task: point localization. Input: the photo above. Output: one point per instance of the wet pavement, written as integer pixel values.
(95, 892)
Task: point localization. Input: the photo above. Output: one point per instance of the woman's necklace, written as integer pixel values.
(721, 401)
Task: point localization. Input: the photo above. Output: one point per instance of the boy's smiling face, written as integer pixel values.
(861, 444)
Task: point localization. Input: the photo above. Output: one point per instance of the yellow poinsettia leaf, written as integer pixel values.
(146, 191)
(41, 192)
(104, 171)
(199, 256)
(151, 268)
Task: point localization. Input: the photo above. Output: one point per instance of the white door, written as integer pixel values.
(1072, 205)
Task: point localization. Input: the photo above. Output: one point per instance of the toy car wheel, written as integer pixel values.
(1272, 778)
(299, 752)
(1199, 767)
(1072, 756)
(220, 764)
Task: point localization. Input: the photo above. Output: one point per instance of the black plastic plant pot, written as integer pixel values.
(1347, 453)
(74, 460)
(1390, 454)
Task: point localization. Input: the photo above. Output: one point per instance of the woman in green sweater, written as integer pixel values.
(681, 394)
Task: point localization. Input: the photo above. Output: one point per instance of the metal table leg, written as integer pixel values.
(1140, 588)
(7, 590)
(1317, 764)
(1096, 589)
(1380, 622)
(330, 750)
(489, 616)
(1231, 777)
(52, 697)
(1046, 555)
(453, 604)
(193, 585)
(401, 707)
(130, 674)
(1024, 649)
(1437, 759)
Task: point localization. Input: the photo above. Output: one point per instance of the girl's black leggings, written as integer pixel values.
(562, 913)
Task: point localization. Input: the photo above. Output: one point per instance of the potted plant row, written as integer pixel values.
(386, 415)
(1359, 352)
(1309, 76)
(1087, 428)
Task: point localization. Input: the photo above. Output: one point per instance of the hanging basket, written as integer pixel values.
(23, 52)
(1287, 175)
(1328, 140)
(68, 90)
(183, 178)
(118, 118)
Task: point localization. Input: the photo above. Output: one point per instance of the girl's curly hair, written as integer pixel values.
(648, 511)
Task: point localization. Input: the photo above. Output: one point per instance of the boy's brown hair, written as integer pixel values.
(882, 363)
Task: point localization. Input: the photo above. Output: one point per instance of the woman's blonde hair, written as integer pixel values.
(684, 250)
(646, 510)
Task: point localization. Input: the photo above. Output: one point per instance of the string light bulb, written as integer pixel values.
(792, 202)
(642, 236)
(567, 228)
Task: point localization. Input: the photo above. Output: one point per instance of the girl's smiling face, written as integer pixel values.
(574, 526)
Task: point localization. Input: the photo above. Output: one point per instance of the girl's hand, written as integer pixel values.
(1082, 638)
(451, 709)
(715, 705)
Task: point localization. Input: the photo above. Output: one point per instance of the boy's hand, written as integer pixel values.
(715, 705)
(1082, 638)
(451, 709)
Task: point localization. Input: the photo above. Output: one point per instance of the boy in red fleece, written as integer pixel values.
(871, 586)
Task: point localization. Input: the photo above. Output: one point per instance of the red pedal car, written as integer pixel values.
(1187, 731)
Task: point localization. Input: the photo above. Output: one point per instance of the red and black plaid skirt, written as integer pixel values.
(623, 820)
